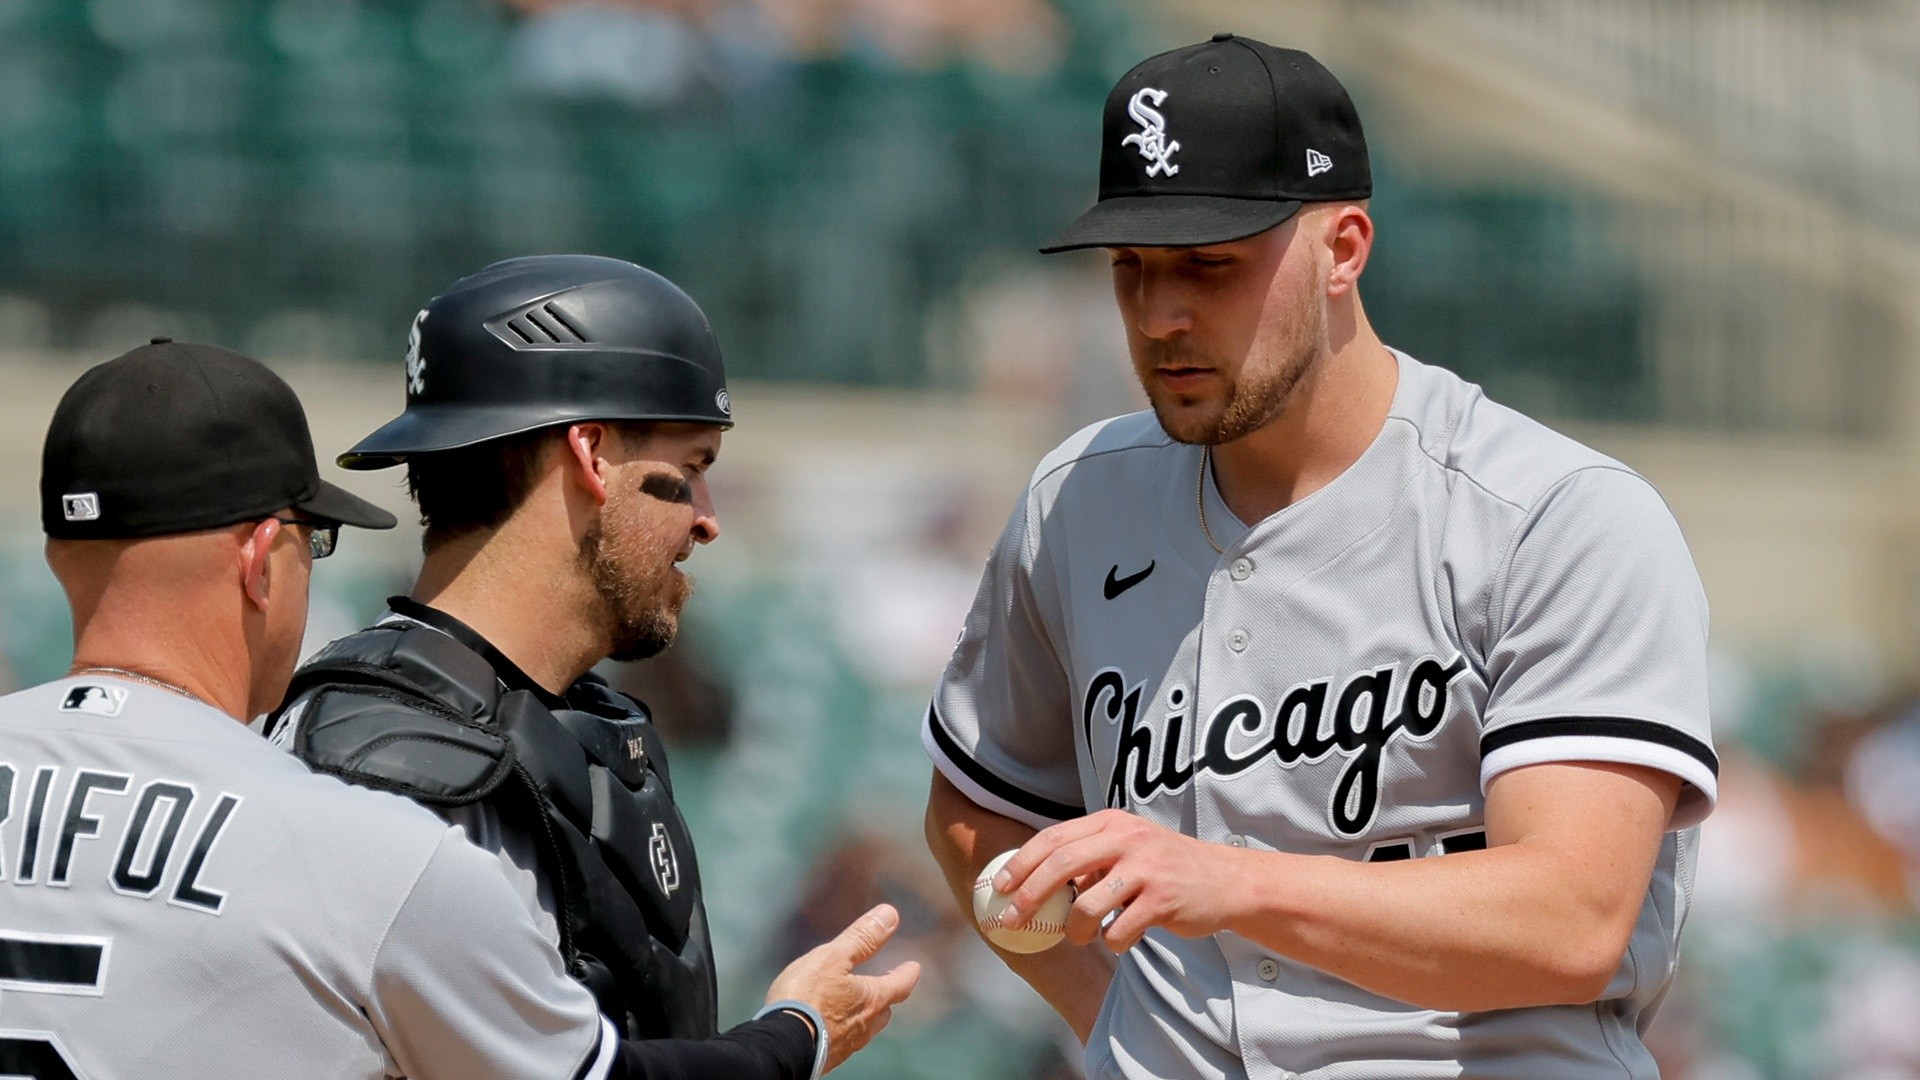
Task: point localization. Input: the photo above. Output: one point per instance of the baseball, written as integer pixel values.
(1045, 930)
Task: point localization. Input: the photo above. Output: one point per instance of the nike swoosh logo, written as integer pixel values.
(1117, 585)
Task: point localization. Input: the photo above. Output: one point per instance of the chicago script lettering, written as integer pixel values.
(1240, 734)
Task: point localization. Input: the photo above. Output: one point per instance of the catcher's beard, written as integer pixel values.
(1263, 386)
(641, 597)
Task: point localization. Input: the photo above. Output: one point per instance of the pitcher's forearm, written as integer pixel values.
(963, 837)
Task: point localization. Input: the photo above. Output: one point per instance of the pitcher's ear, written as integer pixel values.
(1350, 239)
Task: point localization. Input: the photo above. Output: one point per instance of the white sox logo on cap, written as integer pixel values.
(1152, 136)
(416, 364)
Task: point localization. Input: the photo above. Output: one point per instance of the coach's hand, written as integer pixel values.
(1147, 873)
(855, 1007)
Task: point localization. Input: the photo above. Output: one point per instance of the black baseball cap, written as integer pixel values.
(1216, 142)
(174, 438)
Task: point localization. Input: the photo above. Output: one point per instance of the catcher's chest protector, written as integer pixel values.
(408, 709)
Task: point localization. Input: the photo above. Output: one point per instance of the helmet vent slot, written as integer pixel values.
(544, 325)
(566, 327)
(545, 331)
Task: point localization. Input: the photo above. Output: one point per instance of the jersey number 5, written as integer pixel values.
(47, 964)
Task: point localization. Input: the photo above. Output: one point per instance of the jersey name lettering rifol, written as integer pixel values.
(143, 853)
(77, 823)
(1361, 725)
(189, 893)
(144, 881)
(36, 817)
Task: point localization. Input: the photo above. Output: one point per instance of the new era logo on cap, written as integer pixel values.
(1317, 163)
(83, 506)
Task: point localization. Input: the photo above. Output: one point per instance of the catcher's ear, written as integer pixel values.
(586, 463)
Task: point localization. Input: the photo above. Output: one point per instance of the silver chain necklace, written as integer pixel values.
(1200, 498)
(103, 669)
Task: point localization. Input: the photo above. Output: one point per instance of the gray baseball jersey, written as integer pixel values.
(1474, 594)
(183, 899)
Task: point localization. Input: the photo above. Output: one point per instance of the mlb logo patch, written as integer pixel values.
(95, 698)
(82, 506)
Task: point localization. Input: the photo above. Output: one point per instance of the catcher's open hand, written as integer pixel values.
(854, 1006)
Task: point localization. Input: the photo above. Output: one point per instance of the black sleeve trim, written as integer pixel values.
(778, 1046)
(976, 772)
(1602, 727)
(598, 1064)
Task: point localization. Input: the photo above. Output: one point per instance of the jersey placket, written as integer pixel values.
(1233, 657)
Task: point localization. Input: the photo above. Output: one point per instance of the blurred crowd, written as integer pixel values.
(656, 53)
(1800, 959)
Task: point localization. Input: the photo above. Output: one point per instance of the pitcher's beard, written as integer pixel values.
(1257, 396)
(644, 607)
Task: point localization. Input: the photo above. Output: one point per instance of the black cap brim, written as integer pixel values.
(1170, 221)
(332, 503)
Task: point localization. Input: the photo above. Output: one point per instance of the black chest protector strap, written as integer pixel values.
(408, 709)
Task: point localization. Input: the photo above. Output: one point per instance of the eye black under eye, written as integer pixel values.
(667, 488)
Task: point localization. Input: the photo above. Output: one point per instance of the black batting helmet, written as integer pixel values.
(550, 339)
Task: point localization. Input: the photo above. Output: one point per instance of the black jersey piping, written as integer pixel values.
(993, 785)
(1602, 727)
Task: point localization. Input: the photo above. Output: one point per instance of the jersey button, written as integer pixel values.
(1269, 969)
(1241, 570)
(1236, 840)
(1237, 641)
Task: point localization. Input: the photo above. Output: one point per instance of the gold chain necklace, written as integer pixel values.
(1200, 498)
(103, 669)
